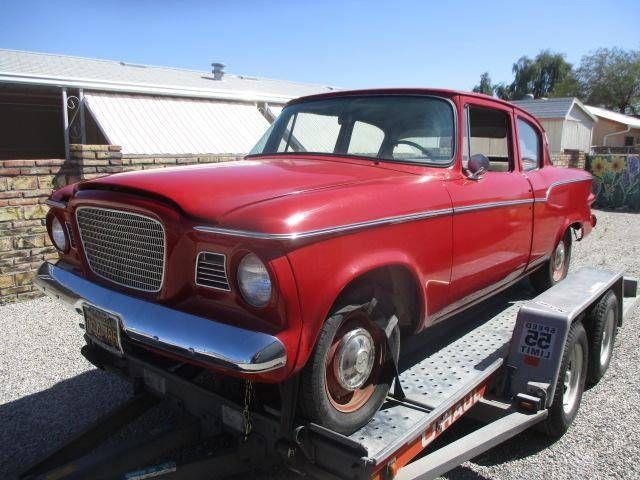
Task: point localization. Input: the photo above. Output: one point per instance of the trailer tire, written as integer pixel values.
(319, 401)
(555, 269)
(570, 385)
(602, 324)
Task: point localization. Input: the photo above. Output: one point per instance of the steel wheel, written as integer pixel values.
(354, 364)
(559, 261)
(572, 378)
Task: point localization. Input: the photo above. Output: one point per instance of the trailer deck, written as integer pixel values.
(442, 380)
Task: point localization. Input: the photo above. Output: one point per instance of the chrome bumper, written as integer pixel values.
(166, 329)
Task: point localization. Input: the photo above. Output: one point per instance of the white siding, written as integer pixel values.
(160, 125)
(554, 134)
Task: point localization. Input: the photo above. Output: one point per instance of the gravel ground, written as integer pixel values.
(49, 391)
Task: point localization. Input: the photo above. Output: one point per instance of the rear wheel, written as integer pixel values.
(571, 380)
(603, 327)
(347, 377)
(555, 269)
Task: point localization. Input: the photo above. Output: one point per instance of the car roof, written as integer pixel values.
(441, 92)
(402, 91)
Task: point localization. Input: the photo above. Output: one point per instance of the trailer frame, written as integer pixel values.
(486, 371)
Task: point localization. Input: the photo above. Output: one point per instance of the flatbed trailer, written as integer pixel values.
(498, 363)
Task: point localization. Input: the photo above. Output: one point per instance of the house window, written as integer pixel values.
(628, 141)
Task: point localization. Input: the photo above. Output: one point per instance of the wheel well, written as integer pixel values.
(395, 281)
(577, 230)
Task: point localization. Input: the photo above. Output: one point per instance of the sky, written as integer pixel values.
(347, 44)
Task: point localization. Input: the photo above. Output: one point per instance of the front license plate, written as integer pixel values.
(103, 328)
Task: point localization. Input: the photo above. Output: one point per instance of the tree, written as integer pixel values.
(539, 76)
(485, 85)
(611, 77)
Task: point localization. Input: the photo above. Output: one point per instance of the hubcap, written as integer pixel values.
(558, 261)
(354, 359)
(607, 338)
(572, 379)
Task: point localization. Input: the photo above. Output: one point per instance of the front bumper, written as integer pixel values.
(192, 337)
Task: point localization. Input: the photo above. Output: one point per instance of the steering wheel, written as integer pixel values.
(414, 145)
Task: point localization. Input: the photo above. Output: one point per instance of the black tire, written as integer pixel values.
(314, 394)
(561, 418)
(602, 324)
(543, 278)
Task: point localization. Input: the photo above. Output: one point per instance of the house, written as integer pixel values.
(48, 102)
(569, 126)
(615, 131)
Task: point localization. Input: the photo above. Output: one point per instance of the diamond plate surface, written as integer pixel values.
(438, 376)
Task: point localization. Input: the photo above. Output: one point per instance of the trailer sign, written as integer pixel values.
(536, 342)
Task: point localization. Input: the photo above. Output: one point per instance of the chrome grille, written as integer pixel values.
(124, 247)
(211, 271)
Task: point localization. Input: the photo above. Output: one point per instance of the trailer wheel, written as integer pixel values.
(571, 380)
(346, 380)
(555, 269)
(603, 327)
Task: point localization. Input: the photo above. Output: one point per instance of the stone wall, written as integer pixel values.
(24, 188)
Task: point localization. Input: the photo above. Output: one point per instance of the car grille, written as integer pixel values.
(123, 247)
(211, 271)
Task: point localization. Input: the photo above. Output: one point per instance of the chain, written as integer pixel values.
(247, 426)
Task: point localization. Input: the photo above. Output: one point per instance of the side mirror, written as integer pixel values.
(478, 164)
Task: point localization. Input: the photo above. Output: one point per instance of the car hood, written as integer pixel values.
(210, 191)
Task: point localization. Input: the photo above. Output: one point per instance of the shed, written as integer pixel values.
(50, 101)
(615, 130)
(567, 121)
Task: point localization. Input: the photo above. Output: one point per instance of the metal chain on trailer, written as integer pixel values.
(247, 425)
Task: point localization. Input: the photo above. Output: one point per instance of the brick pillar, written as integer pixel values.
(96, 160)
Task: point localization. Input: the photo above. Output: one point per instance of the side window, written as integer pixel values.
(366, 139)
(488, 134)
(529, 140)
(310, 132)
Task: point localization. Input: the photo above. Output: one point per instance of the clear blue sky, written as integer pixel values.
(350, 44)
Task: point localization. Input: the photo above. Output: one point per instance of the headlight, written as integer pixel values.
(58, 235)
(254, 281)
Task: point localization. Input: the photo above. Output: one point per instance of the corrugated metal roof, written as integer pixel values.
(614, 116)
(549, 108)
(110, 75)
(144, 124)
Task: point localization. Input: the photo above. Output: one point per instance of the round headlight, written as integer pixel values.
(254, 281)
(58, 235)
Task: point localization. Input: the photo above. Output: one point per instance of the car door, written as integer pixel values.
(492, 221)
(546, 222)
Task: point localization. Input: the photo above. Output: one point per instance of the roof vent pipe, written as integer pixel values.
(529, 96)
(218, 70)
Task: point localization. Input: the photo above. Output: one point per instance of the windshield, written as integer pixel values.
(399, 128)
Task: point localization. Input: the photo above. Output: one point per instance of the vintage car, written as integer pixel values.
(359, 218)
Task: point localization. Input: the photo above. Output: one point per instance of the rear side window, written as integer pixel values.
(529, 140)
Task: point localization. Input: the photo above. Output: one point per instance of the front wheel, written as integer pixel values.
(555, 269)
(347, 378)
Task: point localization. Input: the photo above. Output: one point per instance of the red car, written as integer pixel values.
(359, 215)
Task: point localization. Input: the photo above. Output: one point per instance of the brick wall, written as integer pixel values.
(569, 158)
(25, 186)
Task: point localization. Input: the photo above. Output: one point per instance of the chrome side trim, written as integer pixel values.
(325, 231)
(559, 183)
(484, 206)
(192, 337)
(382, 221)
(55, 203)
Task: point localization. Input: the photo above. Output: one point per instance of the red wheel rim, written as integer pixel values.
(343, 400)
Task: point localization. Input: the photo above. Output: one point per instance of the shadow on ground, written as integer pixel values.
(41, 422)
